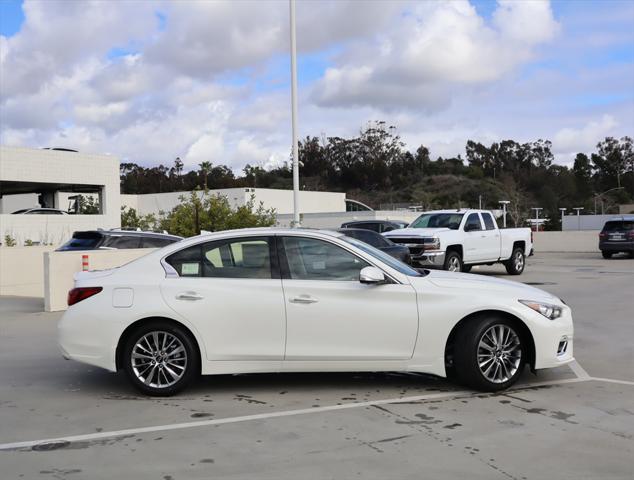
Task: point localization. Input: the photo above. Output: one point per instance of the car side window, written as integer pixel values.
(312, 259)
(123, 242)
(489, 224)
(472, 223)
(155, 242)
(235, 258)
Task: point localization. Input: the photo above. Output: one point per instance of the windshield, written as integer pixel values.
(438, 220)
(384, 257)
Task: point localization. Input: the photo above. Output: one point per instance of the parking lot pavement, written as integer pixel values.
(553, 425)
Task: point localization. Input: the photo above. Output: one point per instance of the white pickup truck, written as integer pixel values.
(456, 240)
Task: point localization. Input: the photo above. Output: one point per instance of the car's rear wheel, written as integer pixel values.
(453, 262)
(606, 254)
(489, 353)
(515, 265)
(160, 358)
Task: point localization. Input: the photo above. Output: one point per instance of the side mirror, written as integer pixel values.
(371, 275)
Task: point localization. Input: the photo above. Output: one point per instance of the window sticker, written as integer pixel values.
(190, 268)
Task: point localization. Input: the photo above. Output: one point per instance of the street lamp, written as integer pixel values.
(537, 209)
(294, 116)
(504, 203)
(600, 195)
(562, 210)
(578, 209)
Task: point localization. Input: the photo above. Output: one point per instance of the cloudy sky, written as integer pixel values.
(209, 80)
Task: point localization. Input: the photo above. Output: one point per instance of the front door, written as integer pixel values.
(231, 292)
(332, 316)
(475, 240)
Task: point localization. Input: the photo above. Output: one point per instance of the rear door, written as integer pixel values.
(332, 316)
(231, 291)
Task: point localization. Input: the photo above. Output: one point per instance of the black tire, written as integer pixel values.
(453, 262)
(606, 255)
(185, 362)
(466, 354)
(466, 268)
(515, 265)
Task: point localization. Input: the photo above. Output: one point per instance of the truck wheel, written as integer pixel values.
(606, 254)
(515, 264)
(453, 262)
(489, 353)
(466, 268)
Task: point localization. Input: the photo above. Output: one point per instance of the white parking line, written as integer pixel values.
(613, 380)
(578, 370)
(265, 416)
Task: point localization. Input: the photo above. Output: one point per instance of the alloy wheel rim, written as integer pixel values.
(159, 359)
(519, 261)
(499, 353)
(454, 264)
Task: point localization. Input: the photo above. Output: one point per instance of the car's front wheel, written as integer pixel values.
(453, 262)
(160, 358)
(489, 353)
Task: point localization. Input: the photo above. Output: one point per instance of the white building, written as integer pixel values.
(41, 177)
(280, 200)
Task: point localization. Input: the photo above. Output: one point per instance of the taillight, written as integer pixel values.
(603, 235)
(76, 295)
(631, 234)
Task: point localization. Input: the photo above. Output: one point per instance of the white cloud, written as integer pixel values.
(567, 142)
(437, 48)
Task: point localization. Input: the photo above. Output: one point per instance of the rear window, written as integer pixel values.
(122, 241)
(82, 241)
(368, 236)
(618, 226)
(488, 221)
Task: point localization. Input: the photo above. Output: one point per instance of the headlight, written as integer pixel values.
(431, 243)
(547, 310)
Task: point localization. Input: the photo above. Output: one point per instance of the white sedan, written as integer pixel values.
(290, 300)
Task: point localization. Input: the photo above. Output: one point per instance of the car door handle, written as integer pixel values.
(303, 300)
(189, 296)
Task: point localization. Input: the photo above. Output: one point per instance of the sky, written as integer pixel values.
(149, 81)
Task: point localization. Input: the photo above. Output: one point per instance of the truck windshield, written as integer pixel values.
(438, 220)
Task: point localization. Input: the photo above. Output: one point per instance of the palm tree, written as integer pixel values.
(205, 170)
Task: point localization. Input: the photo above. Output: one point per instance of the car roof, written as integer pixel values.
(345, 231)
(622, 218)
(130, 233)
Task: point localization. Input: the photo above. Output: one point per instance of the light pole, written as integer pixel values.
(578, 209)
(537, 209)
(600, 195)
(294, 116)
(562, 210)
(504, 203)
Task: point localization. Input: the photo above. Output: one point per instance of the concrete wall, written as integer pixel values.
(586, 222)
(50, 229)
(59, 268)
(626, 208)
(36, 166)
(335, 219)
(22, 271)
(574, 241)
(280, 200)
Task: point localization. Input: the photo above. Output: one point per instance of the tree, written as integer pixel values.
(207, 211)
(205, 170)
(131, 219)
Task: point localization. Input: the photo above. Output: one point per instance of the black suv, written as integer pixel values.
(617, 236)
(116, 239)
(377, 240)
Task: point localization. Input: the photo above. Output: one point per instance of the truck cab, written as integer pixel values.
(456, 240)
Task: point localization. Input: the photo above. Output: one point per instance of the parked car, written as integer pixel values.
(40, 211)
(617, 236)
(379, 226)
(271, 300)
(377, 240)
(117, 238)
(456, 240)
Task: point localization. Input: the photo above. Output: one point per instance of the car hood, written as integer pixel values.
(471, 282)
(414, 232)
